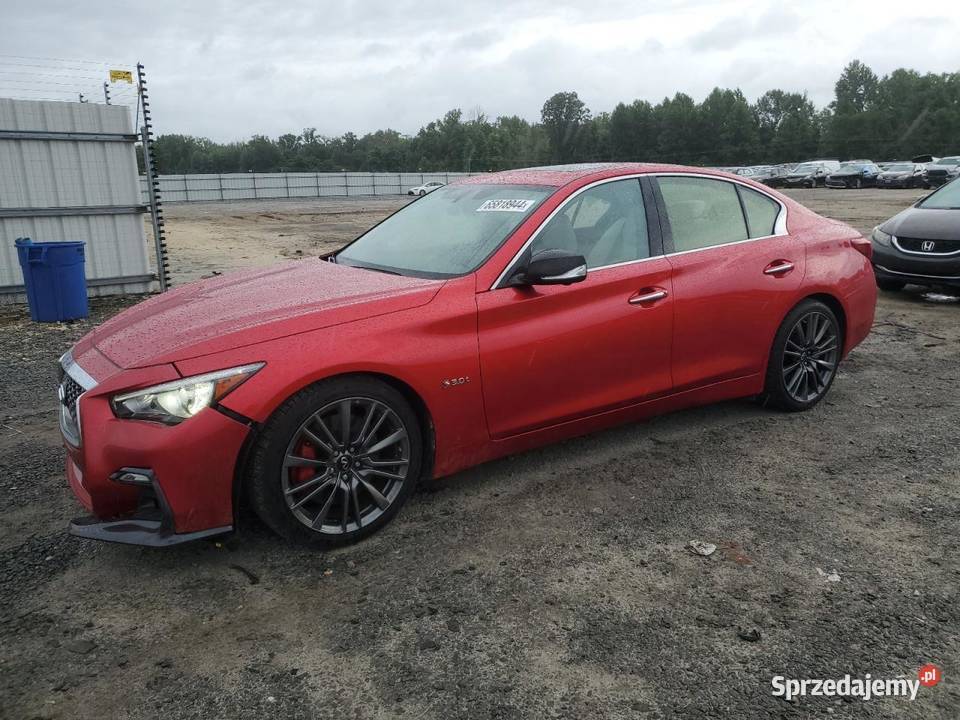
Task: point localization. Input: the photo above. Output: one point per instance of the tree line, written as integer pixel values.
(895, 116)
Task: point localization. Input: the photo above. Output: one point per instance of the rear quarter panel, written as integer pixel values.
(837, 269)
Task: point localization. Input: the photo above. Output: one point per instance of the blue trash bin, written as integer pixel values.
(54, 276)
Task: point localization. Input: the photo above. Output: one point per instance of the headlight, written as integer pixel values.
(881, 238)
(174, 402)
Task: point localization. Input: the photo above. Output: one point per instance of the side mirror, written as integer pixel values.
(552, 267)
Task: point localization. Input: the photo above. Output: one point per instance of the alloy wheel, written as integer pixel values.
(345, 465)
(810, 356)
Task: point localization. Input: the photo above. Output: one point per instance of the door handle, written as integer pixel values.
(778, 267)
(651, 295)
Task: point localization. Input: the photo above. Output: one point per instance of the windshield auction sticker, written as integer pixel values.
(865, 687)
(505, 206)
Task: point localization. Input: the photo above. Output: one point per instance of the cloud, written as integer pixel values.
(227, 70)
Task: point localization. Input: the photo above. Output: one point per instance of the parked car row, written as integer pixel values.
(923, 171)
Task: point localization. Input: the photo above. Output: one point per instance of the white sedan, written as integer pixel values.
(425, 188)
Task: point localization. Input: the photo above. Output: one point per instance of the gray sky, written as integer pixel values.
(228, 70)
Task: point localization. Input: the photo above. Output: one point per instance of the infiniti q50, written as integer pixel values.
(498, 313)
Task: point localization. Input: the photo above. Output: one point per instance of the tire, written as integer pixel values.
(784, 388)
(334, 488)
(858, 184)
(422, 193)
(890, 285)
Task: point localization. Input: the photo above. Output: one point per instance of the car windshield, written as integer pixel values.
(948, 161)
(851, 167)
(447, 233)
(946, 198)
(900, 167)
(805, 168)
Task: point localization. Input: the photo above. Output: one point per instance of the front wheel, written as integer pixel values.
(422, 193)
(804, 358)
(335, 462)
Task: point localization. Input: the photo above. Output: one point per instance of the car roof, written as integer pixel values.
(560, 175)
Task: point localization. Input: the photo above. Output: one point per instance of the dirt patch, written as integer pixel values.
(204, 238)
(553, 584)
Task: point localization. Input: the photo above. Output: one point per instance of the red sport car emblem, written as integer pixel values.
(492, 315)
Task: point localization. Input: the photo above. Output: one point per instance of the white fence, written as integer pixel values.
(257, 186)
(68, 171)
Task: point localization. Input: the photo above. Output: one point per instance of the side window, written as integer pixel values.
(606, 224)
(702, 212)
(762, 212)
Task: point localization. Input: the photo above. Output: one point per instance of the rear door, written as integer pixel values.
(735, 272)
(555, 353)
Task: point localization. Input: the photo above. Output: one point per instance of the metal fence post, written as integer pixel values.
(255, 196)
(220, 185)
(346, 187)
(286, 184)
(316, 179)
(186, 190)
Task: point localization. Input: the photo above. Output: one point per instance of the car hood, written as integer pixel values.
(850, 173)
(249, 307)
(927, 224)
(895, 173)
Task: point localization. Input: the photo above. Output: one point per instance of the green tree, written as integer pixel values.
(564, 116)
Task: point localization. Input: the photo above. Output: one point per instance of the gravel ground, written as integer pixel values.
(553, 584)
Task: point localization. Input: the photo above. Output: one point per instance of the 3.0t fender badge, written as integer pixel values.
(453, 382)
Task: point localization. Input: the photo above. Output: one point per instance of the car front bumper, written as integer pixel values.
(931, 271)
(898, 182)
(146, 483)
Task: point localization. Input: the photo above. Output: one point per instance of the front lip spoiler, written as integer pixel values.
(137, 531)
(151, 525)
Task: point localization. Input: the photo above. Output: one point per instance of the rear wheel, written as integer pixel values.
(336, 462)
(804, 358)
(890, 285)
(422, 193)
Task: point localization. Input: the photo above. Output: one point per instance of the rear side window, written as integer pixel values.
(762, 212)
(702, 212)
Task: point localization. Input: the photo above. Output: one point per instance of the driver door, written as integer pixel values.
(554, 353)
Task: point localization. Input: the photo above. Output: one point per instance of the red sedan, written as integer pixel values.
(493, 315)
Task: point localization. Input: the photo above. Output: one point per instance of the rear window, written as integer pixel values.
(702, 212)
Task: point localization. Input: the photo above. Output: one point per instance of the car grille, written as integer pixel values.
(69, 392)
(940, 247)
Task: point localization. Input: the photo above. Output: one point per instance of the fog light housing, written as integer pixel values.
(134, 476)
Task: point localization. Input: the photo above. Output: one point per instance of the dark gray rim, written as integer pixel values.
(357, 451)
(810, 356)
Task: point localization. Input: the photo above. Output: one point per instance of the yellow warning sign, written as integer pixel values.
(121, 76)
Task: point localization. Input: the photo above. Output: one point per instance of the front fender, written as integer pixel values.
(421, 348)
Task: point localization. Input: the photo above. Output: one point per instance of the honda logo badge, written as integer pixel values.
(928, 245)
